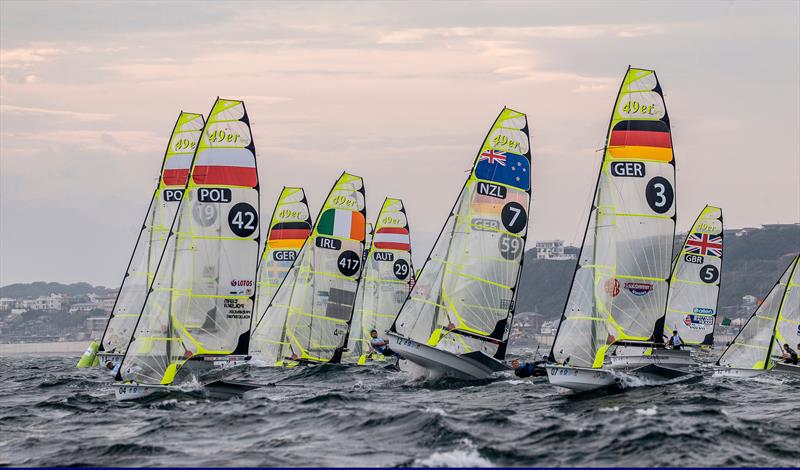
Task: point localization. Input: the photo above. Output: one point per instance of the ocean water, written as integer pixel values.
(53, 414)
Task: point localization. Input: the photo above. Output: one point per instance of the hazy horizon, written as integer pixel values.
(401, 94)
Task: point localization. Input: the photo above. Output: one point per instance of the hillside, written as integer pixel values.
(754, 259)
(36, 289)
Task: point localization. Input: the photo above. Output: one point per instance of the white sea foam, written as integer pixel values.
(463, 457)
(612, 409)
(435, 410)
(647, 411)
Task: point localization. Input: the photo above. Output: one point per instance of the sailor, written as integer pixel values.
(789, 355)
(529, 369)
(379, 344)
(112, 367)
(675, 341)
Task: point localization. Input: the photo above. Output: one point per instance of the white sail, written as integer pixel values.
(386, 281)
(309, 316)
(694, 288)
(203, 292)
(751, 349)
(619, 289)
(150, 243)
(288, 230)
(463, 300)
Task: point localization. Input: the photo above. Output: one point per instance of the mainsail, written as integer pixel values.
(202, 295)
(309, 316)
(155, 229)
(387, 278)
(288, 230)
(694, 288)
(753, 346)
(619, 288)
(463, 300)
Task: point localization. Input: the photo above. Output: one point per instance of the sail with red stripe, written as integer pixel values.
(150, 243)
(385, 283)
(619, 289)
(288, 230)
(203, 291)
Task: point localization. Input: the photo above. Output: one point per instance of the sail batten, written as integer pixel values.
(620, 285)
(468, 283)
(203, 291)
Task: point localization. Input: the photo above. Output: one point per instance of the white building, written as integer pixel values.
(552, 249)
(85, 307)
(50, 302)
(7, 303)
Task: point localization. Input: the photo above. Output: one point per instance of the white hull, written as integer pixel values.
(580, 379)
(660, 357)
(130, 392)
(787, 368)
(104, 357)
(734, 373)
(443, 363)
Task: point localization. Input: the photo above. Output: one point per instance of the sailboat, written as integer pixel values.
(385, 283)
(620, 285)
(774, 323)
(693, 293)
(308, 318)
(150, 242)
(288, 230)
(195, 320)
(457, 318)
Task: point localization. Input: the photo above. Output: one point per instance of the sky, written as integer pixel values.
(399, 93)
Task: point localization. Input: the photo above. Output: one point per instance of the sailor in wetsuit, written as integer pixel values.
(675, 341)
(789, 355)
(379, 344)
(529, 369)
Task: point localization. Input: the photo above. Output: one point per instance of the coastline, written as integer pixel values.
(71, 348)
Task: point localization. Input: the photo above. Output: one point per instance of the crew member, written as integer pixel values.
(379, 344)
(789, 355)
(675, 341)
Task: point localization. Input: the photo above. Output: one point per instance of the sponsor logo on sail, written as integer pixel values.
(703, 310)
(698, 321)
(612, 287)
(638, 288)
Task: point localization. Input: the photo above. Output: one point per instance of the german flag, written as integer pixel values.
(641, 140)
(288, 235)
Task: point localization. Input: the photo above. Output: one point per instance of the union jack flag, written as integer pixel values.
(493, 156)
(704, 244)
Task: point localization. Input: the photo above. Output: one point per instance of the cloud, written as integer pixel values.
(526, 74)
(83, 117)
(23, 56)
(576, 32)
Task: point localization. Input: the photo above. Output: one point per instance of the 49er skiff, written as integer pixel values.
(756, 349)
(195, 321)
(457, 318)
(620, 286)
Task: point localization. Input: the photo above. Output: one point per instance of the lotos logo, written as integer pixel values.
(612, 287)
(638, 288)
(242, 283)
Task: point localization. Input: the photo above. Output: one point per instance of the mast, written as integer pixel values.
(778, 316)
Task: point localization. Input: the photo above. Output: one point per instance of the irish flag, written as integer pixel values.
(392, 238)
(341, 223)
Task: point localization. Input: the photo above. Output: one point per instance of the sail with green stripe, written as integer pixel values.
(694, 288)
(309, 316)
(387, 278)
(288, 230)
(150, 243)
(620, 286)
(204, 288)
(463, 300)
(770, 324)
